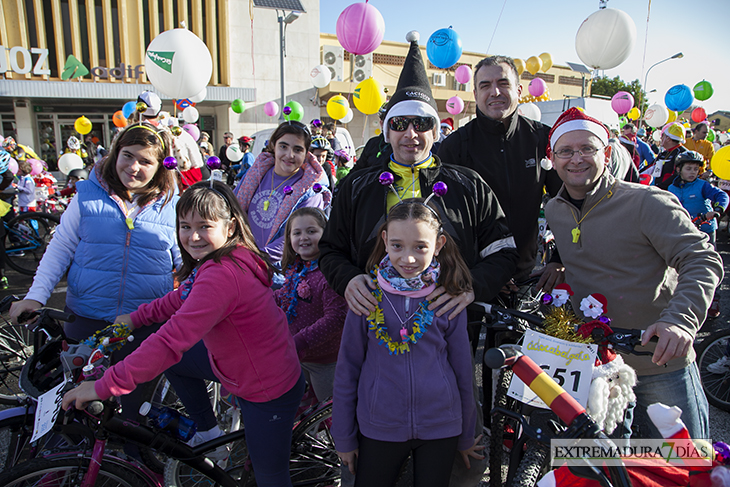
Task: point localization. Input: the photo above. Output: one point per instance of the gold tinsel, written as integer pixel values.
(560, 323)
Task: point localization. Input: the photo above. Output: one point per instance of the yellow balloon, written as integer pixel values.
(547, 61)
(337, 107)
(82, 125)
(672, 116)
(369, 96)
(533, 65)
(520, 65)
(634, 114)
(687, 125)
(720, 163)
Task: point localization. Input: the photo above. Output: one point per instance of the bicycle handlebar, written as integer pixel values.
(494, 310)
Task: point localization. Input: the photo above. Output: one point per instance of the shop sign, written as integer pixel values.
(20, 60)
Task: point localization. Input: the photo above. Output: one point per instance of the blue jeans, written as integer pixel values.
(681, 388)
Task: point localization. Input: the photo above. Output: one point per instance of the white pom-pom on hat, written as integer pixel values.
(413, 36)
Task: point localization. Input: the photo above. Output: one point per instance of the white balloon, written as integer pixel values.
(656, 115)
(70, 161)
(348, 116)
(200, 96)
(657, 136)
(606, 38)
(234, 153)
(178, 63)
(190, 115)
(723, 138)
(530, 110)
(321, 76)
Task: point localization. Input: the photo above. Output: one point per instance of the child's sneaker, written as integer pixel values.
(4, 283)
(722, 366)
(220, 455)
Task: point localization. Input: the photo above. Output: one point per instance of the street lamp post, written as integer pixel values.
(646, 77)
(283, 22)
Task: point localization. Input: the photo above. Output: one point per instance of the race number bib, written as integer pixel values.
(569, 364)
(46, 413)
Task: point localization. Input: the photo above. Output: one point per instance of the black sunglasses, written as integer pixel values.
(420, 124)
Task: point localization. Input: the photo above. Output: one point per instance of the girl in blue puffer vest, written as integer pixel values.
(117, 238)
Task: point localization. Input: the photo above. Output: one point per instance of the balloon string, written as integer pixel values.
(495, 27)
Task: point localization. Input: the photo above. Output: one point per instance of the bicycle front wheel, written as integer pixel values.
(26, 239)
(716, 385)
(69, 471)
(16, 346)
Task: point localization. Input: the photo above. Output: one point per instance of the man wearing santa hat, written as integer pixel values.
(634, 245)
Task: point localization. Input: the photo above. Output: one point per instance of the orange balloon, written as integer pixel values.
(119, 119)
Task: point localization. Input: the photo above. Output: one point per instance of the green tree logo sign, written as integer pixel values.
(73, 68)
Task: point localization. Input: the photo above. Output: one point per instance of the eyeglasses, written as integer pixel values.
(420, 124)
(569, 153)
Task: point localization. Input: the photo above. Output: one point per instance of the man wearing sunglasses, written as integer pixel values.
(506, 149)
(469, 212)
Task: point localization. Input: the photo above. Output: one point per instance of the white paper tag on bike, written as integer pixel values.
(569, 364)
(46, 412)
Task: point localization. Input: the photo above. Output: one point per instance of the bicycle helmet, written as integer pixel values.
(319, 142)
(79, 173)
(4, 161)
(688, 156)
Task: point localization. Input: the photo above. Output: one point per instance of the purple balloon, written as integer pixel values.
(213, 162)
(386, 178)
(360, 28)
(170, 163)
(440, 189)
(288, 190)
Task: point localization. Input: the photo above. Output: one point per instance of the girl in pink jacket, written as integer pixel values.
(222, 324)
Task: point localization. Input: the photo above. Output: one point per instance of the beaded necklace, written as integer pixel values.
(291, 289)
(376, 321)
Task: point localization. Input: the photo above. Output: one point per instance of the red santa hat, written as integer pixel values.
(565, 287)
(576, 119)
(448, 122)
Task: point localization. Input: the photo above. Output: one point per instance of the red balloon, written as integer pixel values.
(699, 114)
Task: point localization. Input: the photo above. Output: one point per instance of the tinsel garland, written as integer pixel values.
(561, 322)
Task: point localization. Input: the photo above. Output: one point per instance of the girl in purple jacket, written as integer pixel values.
(315, 312)
(403, 383)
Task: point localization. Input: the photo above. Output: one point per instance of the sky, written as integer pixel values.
(528, 27)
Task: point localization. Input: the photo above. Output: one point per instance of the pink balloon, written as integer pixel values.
(271, 108)
(454, 105)
(193, 130)
(13, 166)
(360, 28)
(463, 74)
(622, 102)
(537, 87)
(36, 167)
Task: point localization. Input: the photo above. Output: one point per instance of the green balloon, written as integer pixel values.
(703, 90)
(711, 135)
(297, 111)
(238, 105)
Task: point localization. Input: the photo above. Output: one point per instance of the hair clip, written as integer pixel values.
(170, 163)
(213, 163)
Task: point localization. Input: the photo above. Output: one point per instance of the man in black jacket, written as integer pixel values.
(507, 149)
(470, 212)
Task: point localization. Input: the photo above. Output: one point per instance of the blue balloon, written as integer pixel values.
(444, 48)
(129, 108)
(679, 98)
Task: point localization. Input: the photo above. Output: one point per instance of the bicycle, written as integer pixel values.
(716, 385)
(579, 423)
(26, 239)
(529, 453)
(314, 460)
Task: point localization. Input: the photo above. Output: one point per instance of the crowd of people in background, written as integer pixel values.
(375, 259)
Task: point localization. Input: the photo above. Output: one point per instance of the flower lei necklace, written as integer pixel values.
(294, 287)
(376, 321)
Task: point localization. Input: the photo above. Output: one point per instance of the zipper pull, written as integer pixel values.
(408, 302)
